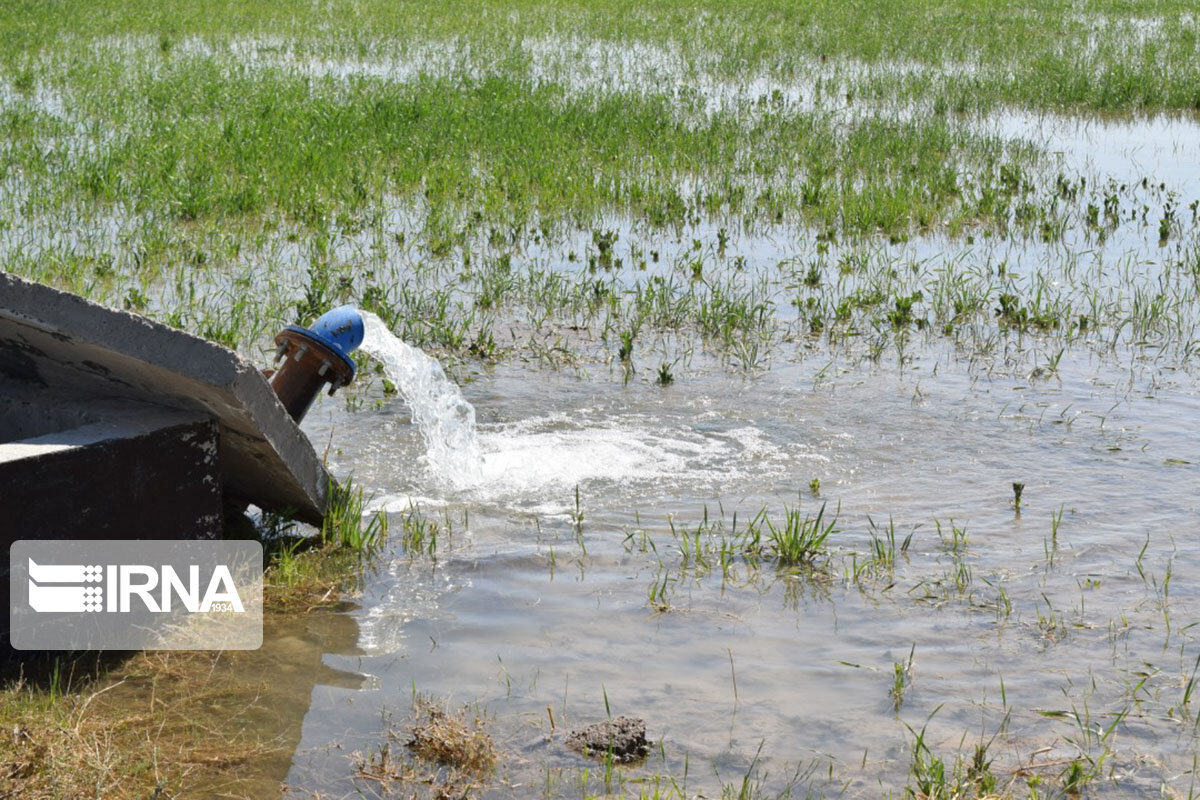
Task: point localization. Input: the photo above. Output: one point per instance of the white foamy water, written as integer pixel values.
(446, 420)
(544, 454)
(534, 465)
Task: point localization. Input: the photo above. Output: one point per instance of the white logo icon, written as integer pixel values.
(64, 598)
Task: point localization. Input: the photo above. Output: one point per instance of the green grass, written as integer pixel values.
(306, 572)
(638, 186)
(197, 137)
(1046, 55)
(207, 178)
(799, 540)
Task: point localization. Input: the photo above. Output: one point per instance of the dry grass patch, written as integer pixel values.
(151, 726)
(181, 724)
(455, 754)
(450, 740)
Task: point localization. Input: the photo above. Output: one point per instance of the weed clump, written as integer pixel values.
(313, 571)
(452, 741)
(348, 524)
(799, 541)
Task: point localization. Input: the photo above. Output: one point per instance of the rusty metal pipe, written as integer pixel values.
(312, 358)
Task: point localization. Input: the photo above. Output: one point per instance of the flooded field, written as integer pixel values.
(826, 388)
(1056, 631)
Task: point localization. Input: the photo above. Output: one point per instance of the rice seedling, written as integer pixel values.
(665, 376)
(930, 778)
(1189, 687)
(1055, 523)
(955, 539)
(419, 535)
(798, 541)
(884, 548)
(902, 676)
(577, 522)
(1050, 624)
(1002, 603)
(660, 591)
(625, 351)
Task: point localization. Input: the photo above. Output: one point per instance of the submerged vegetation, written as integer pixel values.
(538, 180)
(657, 193)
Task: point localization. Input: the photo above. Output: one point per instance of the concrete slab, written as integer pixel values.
(58, 342)
(154, 474)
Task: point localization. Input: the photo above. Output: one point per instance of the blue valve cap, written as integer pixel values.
(341, 329)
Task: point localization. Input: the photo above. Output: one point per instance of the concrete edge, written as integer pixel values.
(209, 362)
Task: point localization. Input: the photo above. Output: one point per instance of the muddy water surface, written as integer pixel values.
(530, 606)
(1058, 631)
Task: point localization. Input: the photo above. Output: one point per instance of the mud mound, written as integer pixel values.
(624, 737)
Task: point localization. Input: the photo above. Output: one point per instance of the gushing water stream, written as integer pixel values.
(446, 420)
(538, 460)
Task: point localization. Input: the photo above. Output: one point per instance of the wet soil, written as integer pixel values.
(624, 737)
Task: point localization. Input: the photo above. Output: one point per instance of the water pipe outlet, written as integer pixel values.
(312, 358)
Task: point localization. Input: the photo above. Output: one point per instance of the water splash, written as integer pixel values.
(446, 420)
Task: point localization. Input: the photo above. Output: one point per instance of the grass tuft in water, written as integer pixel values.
(902, 676)
(799, 541)
(452, 740)
(348, 524)
(308, 571)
